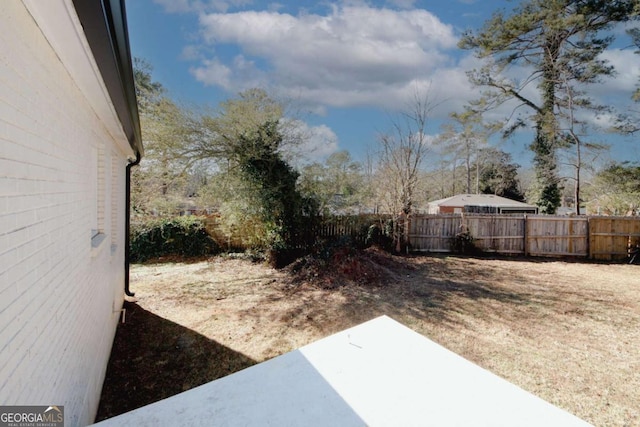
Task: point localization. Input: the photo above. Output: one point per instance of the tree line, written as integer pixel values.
(238, 159)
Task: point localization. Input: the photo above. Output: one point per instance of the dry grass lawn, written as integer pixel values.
(567, 332)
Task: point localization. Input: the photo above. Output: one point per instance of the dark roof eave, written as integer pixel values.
(105, 27)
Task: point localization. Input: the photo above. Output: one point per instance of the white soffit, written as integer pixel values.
(379, 373)
(59, 23)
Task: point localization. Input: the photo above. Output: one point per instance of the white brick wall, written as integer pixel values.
(58, 295)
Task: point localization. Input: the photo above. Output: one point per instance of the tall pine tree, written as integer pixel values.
(553, 41)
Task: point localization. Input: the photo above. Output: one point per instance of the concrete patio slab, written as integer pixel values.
(379, 373)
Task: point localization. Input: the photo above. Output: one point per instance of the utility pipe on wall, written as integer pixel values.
(127, 226)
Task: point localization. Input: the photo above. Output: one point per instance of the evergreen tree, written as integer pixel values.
(559, 41)
(616, 190)
(498, 174)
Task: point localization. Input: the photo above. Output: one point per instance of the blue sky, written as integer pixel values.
(347, 66)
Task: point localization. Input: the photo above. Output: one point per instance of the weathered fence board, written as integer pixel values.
(610, 237)
(557, 236)
(497, 233)
(605, 238)
(433, 233)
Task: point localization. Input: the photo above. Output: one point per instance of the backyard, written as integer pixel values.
(568, 332)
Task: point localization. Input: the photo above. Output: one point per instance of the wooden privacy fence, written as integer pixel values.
(609, 237)
(354, 226)
(604, 238)
(244, 236)
(596, 237)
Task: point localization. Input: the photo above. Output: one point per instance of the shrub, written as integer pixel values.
(380, 236)
(463, 243)
(183, 236)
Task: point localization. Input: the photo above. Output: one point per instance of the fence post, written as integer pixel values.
(526, 234)
(589, 237)
(407, 232)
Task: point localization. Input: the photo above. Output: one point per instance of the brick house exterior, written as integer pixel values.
(68, 131)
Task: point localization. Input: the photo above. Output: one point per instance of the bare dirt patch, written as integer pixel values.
(568, 332)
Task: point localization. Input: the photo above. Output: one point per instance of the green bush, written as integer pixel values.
(380, 236)
(463, 243)
(183, 236)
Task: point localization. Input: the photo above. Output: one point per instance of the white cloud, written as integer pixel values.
(627, 66)
(356, 55)
(317, 142)
(213, 72)
(615, 91)
(237, 76)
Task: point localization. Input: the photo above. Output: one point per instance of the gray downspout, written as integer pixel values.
(127, 226)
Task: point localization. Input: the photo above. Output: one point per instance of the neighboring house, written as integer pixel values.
(479, 203)
(68, 132)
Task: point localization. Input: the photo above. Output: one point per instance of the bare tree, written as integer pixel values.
(402, 152)
(463, 140)
(574, 130)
